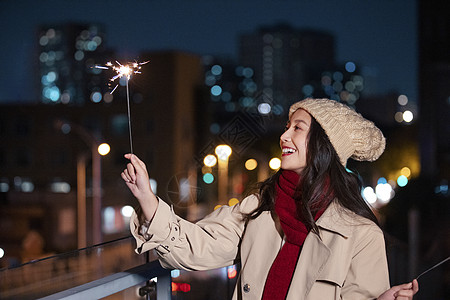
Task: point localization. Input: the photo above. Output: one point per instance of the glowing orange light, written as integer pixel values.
(232, 272)
(181, 287)
(123, 70)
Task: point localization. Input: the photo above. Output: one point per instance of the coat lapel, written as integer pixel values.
(313, 259)
(315, 254)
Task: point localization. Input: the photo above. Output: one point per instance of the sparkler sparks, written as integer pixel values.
(124, 71)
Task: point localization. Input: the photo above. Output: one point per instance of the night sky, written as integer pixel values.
(380, 35)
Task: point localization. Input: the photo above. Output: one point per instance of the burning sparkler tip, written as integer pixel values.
(123, 70)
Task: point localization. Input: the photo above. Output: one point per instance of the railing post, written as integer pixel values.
(164, 286)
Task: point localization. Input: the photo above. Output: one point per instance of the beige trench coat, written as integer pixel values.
(348, 261)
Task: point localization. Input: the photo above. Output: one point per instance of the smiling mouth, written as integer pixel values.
(287, 151)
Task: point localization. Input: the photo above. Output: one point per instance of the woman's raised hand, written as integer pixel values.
(136, 178)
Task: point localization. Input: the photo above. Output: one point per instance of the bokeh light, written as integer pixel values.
(381, 180)
(275, 163)
(402, 100)
(408, 116)
(369, 195)
(175, 273)
(4, 187)
(223, 152)
(398, 116)
(153, 185)
(350, 67)
(264, 108)
(251, 164)
(247, 72)
(384, 192)
(406, 172)
(231, 271)
(206, 169)
(127, 211)
(308, 90)
(210, 160)
(96, 97)
(208, 178)
(104, 149)
(233, 201)
(216, 90)
(338, 76)
(216, 70)
(402, 181)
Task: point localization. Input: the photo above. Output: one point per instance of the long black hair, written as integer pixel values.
(324, 175)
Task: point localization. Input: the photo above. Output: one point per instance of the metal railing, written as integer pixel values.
(89, 273)
(111, 271)
(117, 282)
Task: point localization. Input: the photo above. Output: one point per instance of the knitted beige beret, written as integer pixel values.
(350, 133)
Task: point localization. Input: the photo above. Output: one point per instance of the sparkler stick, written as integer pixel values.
(129, 119)
(435, 266)
(124, 71)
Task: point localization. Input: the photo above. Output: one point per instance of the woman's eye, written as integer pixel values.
(297, 128)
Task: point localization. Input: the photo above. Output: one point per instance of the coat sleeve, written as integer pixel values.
(368, 275)
(210, 243)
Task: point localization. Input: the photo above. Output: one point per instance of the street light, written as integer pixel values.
(223, 152)
(97, 150)
(275, 163)
(210, 160)
(103, 149)
(251, 164)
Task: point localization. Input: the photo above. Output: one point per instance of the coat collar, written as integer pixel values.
(338, 219)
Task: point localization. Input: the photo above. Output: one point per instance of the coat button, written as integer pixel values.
(246, 287)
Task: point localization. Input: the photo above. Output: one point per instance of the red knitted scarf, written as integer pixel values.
(283, 267)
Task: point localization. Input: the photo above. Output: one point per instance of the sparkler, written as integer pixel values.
(124, 71)
(435, 266)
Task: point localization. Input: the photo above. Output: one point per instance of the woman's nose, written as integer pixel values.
(285, 137)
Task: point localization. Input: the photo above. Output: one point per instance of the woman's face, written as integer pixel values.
(294, 141)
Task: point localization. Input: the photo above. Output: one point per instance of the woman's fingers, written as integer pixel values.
(125, 176)
(415, 286)
(135, 160)
(407, 291)
(131, 172)
(138, 164)
(404, 294)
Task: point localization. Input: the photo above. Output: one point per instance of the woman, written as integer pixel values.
(307, 233)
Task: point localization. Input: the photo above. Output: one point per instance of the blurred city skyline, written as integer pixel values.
(379, 36)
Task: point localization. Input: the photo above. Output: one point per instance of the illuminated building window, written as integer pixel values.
(23, 184)
(116, 219)
(4, 185)
(60, 187)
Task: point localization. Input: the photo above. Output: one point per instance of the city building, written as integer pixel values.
(67, 54)
(287, 62)
(46, 149)
(434, 88)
